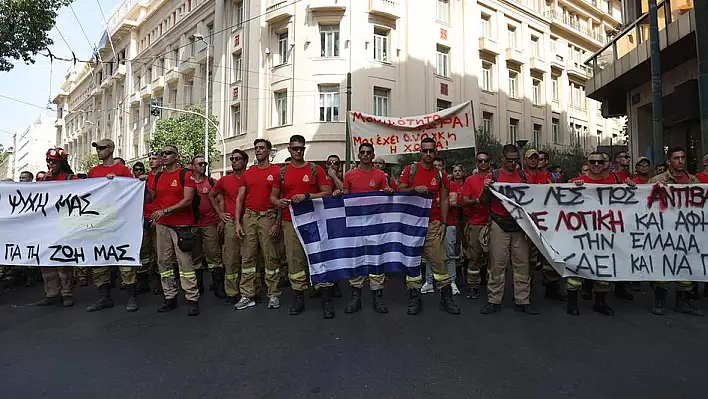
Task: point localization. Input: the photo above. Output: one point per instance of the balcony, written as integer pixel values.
(119, 73)
(158, 84)
(537, 64)
(578, 70)
(515, 55)
(279, 10)
(188, 65)
(107, 81)
(489, 46)
(557, 61)
(146, 91)
(135, 97)
(386, 8)
(172, 75)
(200, 58)
(328, 5)
(572, 25)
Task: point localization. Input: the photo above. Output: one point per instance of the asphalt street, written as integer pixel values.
(259, 353)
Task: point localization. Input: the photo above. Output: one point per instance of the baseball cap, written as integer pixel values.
(103, 143)
(530, 153)
(643, 159)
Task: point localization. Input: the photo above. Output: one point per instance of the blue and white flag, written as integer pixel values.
(362, 234)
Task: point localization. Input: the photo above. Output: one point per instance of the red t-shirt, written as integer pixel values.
(359, 181)
(149, 207)
(682, 179)
(623, 176)
(300, 181)
(478, 214)
(543, 177)
(639, 180)
(228, 186)
(61, 176)
(702, 177)
(168, 192)
(453, 212)
(117, 169)
(392, 183)
(496, 205)
(259, 184)
(207, 214)
(429, 179)
(585, 178)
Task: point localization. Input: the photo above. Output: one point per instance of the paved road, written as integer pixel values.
(68, 353)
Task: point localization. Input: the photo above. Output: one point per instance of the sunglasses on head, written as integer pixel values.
(428, 151)
(101, 147)
(202, 164)
(234, 159)
(167, 153)
(596, 162)
(298, 149)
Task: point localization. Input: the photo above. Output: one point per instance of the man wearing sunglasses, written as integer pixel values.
(334, 172)
(366, 179)
(148, 250)
(229, 186)
(423, 178)
(300, 181)
(260, 228)
(622, 166)
(110, 168)
(643, 168)
(477, 218)
(138, 169)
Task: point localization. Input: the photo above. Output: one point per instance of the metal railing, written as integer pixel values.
(119, 14)
(567, 21)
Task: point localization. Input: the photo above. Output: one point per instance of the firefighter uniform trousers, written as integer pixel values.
(232, 260)
(434, 258)
(297, 262)
(207, 247)
(474, 254)
(576, 284)
(539, 263)
(58, 281)
(501, 246)
(681, 286)
(168, 253)
(256, 227)
(148, 253)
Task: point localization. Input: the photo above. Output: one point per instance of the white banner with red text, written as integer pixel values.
(615, 232)
(92, 222)
(451, 128)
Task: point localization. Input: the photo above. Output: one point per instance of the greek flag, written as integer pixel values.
(362, 234)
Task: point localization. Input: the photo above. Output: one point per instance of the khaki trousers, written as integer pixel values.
(474, 254)
(207, 247)
(168, 253)
(434, 258)
(256, 227)
(376, 281)
(148, 251)
(58, 281)
(232, 260)
(504, 247)
(297, 261)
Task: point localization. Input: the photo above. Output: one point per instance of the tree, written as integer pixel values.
(570, 160)
(87, 162)
(186, 132)
(24, 28)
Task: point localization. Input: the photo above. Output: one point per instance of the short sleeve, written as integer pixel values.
(219, 186)
(445, 180)
(321, 176)
(467, 188)
(188, 181)
(125, 172)
(404, 175)
(348, 180)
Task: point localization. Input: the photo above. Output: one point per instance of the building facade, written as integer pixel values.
(33, 143)
(279, 67)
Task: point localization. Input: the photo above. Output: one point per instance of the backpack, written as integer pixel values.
(414, 169)
(196, 200)
(313, 170)
(495, 176)
(617, 178)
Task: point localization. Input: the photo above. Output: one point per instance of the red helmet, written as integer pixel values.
(56, 154)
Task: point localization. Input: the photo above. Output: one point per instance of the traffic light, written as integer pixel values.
(154, 103)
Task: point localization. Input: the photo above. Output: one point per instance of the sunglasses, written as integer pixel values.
(483, 160)
(101, 147)
(298, 149)
(428, 151)
(512, 160)
(366, 152)
(233, 159)
(596, 162)
(167, 153)
(333, 163)
(202, 164)
(624, 156)
(138, 170)
(154, 154)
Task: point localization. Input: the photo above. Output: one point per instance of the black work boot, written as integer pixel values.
(48, 301)
(586, 293)
(378, 303)
(217, 278)
(143, 285)
(685, 305)
(336, 291)
(473, 293)
(169, 304)
(527, 308)
(67, 301)
(315, 292)
(192, 308)
(554, 292)
(354, 304)
(327, 307)
(695, 295)
(622, 292)
(298, 304)
(659, 302)
(572, 307)
(200, 280)
(415, 302)
(104, 301)
(490, 308)
(132, 304)
(601, 306)
(446, 302)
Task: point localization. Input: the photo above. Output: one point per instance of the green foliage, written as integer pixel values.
(569, 159)
(24, 27)
(87, 162)
(186, 132)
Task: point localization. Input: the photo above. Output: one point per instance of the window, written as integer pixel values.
(281, 107)
(238, 15)
(236, 120)
(443, 11)
(192, 46)
(513, 77)
(381, 101)
(188, 94)
(536, 92)
(555, 126)
(381, 45)
(554, 41)
(236, 68)
(486, 76)
(577, 96)
(329, 40)
(486, 26)
(487, 122)
(536, 135)
(173, 97)
(443, 60)
(513, 130)
(442, 104)
(511, 34)
(554, 88)
(329, 103)
(535, 47)
(175, 56)
(283, 48)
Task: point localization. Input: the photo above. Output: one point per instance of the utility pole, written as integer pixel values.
(701, 10)
(348, 135)
(656, 92)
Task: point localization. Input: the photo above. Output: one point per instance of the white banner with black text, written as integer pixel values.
(92, 222)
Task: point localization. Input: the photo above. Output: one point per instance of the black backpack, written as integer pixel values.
(495, 176)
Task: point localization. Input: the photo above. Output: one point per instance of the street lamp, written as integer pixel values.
(200, 37)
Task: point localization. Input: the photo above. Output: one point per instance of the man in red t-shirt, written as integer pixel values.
(506, 239)
(366, 179)
(622, 166)
(297, 183)
(334, 172)
(207, 252)
(148, 251)
(533, 176)
(703, 178)
(228, 186)
(642, 167)
(260, 229)
(477, 218)
(110, 168)
(173, 192)
(380, 163)
(424, 179)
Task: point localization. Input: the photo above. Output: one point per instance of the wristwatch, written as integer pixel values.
(307, 196)
(165, 211)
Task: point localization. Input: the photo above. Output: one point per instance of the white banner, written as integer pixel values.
(615, 232)
(92, 222)
(451, 128)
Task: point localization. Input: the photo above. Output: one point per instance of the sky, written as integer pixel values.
(31, 83)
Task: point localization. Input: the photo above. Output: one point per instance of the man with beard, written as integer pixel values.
(148, 250)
